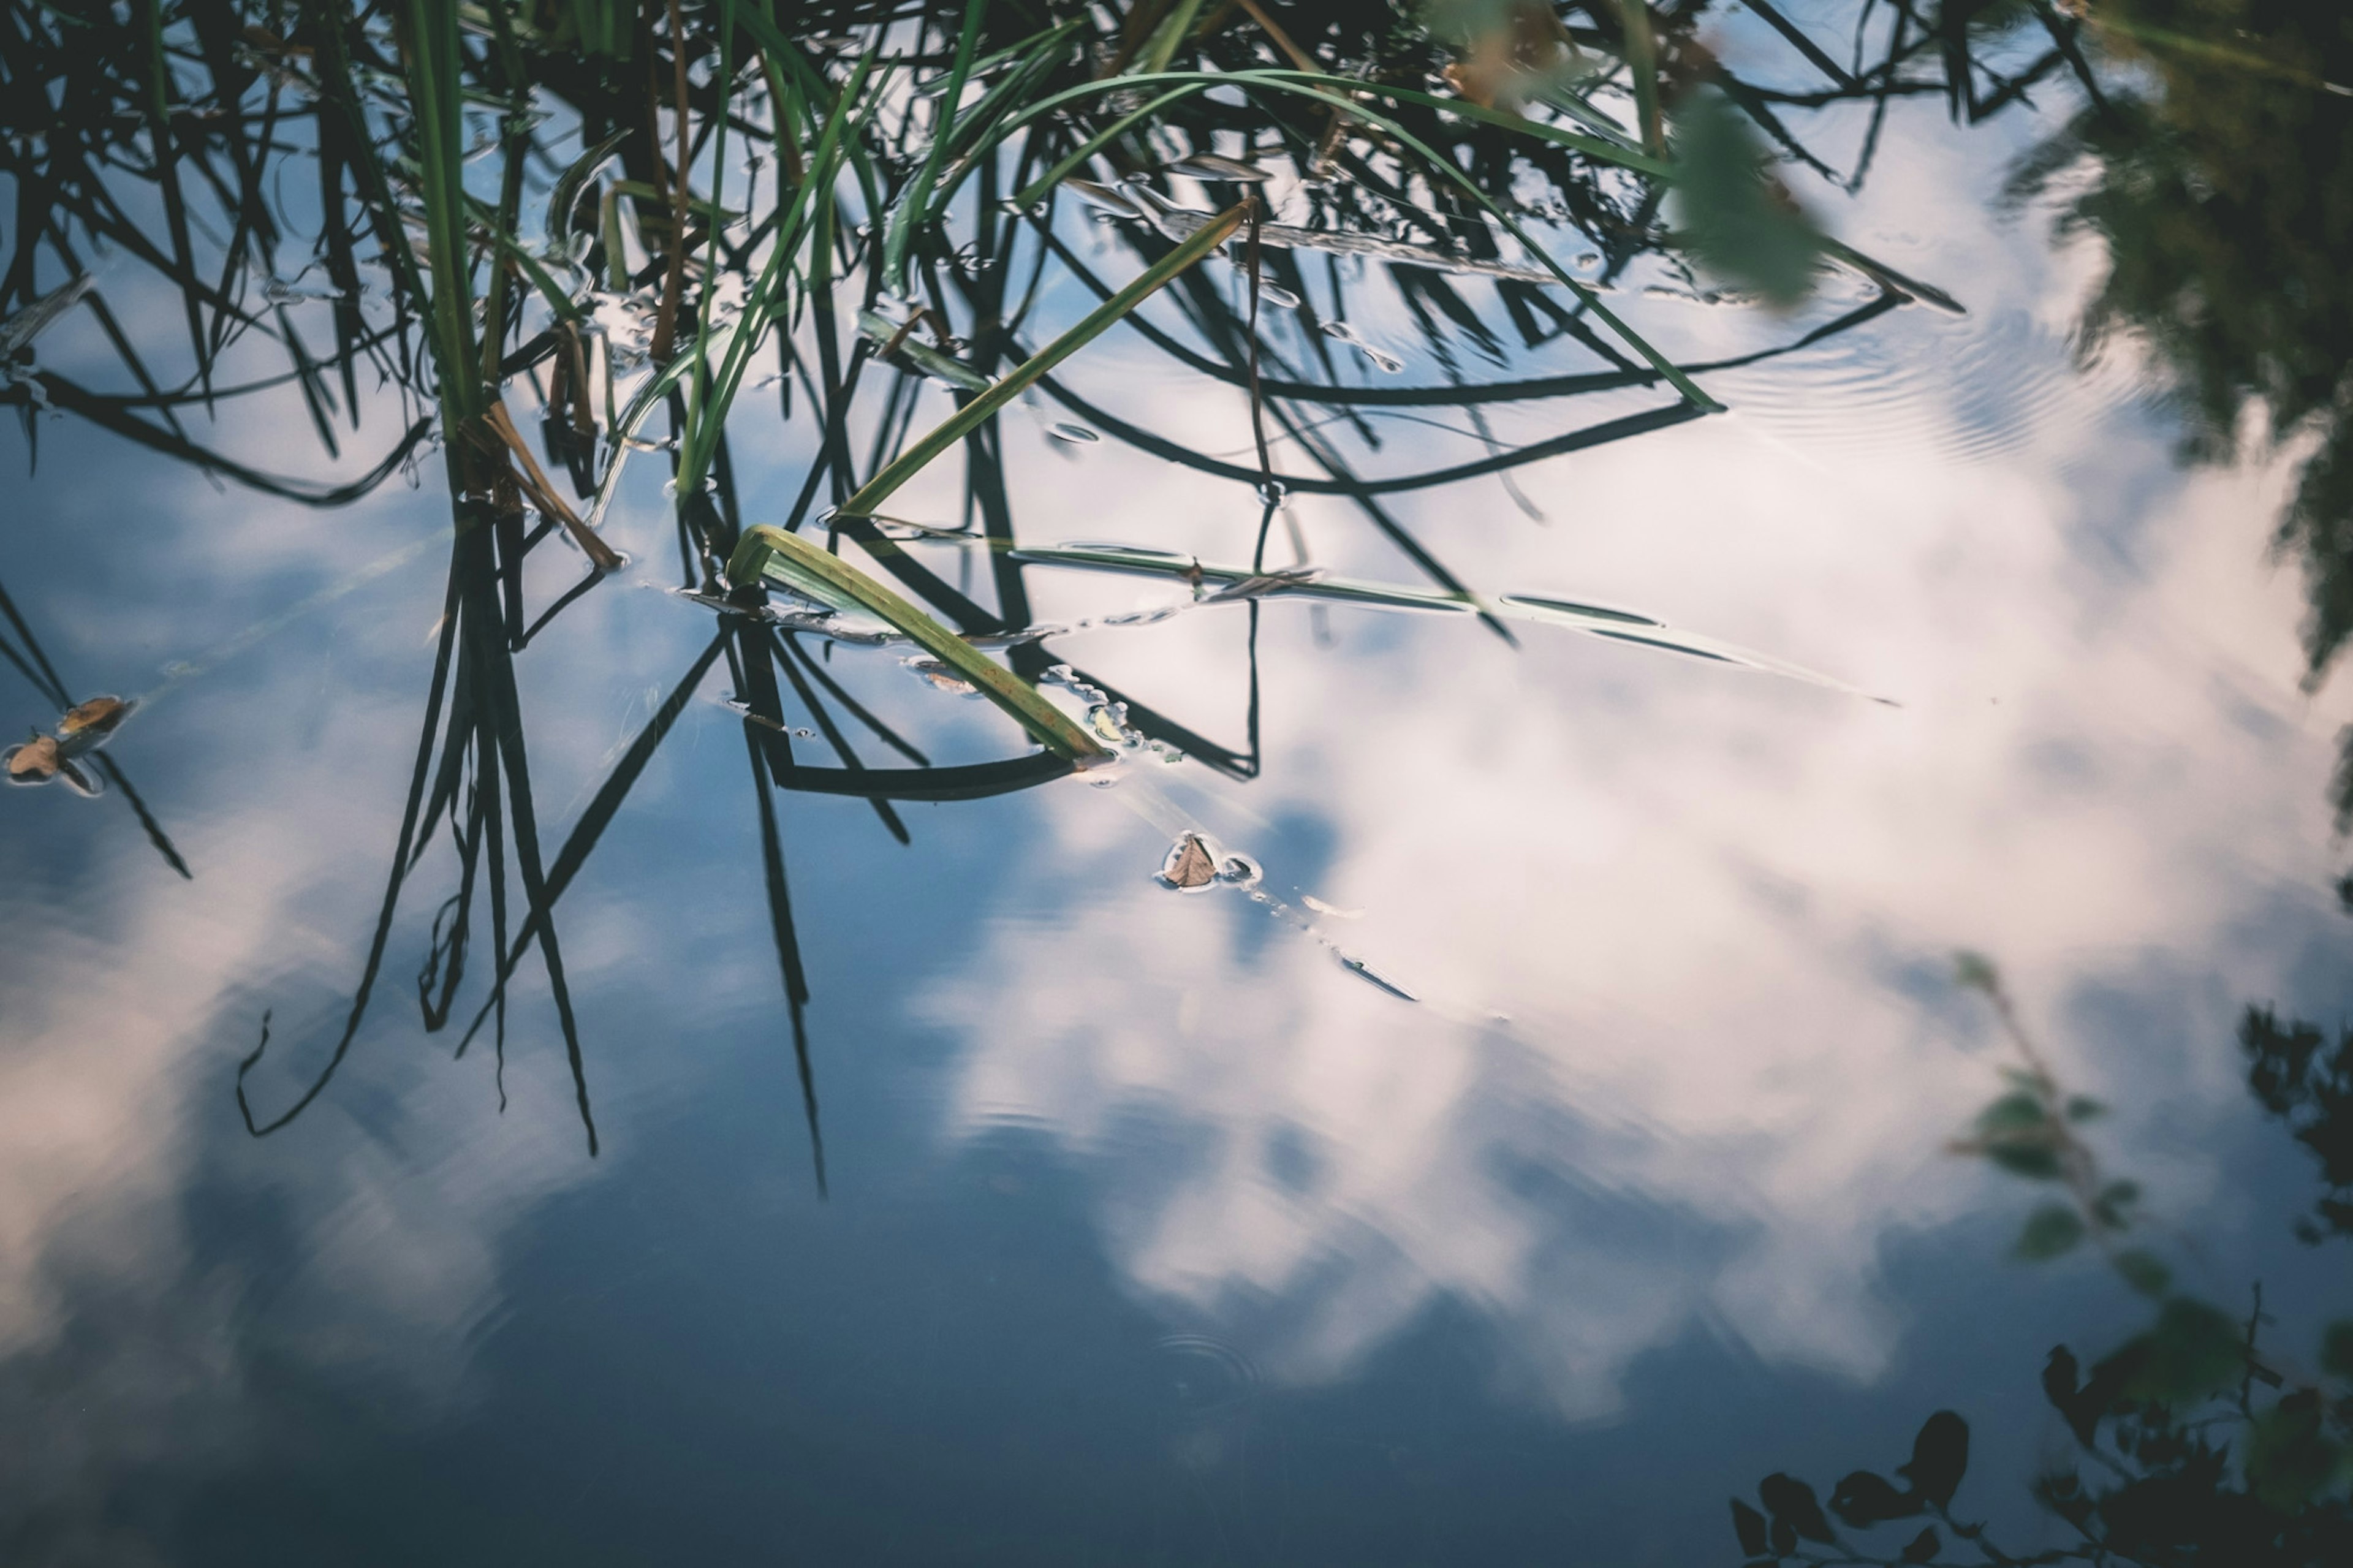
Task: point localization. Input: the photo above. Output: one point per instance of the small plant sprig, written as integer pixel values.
(2030, 1132)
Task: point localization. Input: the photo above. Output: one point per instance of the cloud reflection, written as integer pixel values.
(1715, 910)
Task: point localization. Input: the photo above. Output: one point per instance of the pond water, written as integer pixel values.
(1554, 1139)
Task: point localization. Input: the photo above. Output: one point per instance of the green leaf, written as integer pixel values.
(772, 555)
(2049, 1231)
(1976, 971)
(1735, 220)
(2014, 1113)
(2336, 1348)
(2035, 1162)
(2195, 1350)
(2144, 1272)
(2290, 1461)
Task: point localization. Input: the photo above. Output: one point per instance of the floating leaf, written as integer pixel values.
(34, 763)
(2049, 1231)
(1189, 867)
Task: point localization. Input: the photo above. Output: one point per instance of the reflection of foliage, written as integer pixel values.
(2180, 1460)
(2223, 198)
(2307, 1083)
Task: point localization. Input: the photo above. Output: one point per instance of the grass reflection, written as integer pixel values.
(595, 226)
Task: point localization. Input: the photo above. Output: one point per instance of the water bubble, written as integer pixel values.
(1349, 335)
(1078, 435)
(1240, 871)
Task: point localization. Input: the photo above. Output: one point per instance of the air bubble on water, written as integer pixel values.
(1349, 335)
(805, 734)
(1240, 871)
(1077, 433)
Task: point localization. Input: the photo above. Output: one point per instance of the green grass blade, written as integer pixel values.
(771, 554)
(914, 202)
(968, 418)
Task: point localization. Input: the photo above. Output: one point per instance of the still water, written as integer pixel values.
(1554, 1141)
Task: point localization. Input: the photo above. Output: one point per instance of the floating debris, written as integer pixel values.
(1191, 866)
(941, 675)
(41, 760)
(89, 725)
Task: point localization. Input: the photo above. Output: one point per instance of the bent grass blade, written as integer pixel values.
(1603, 621)
(769, 554)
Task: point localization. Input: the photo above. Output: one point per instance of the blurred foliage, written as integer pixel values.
(2306, 1080)
(2194, 1445)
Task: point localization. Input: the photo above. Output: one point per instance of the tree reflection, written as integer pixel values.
(2195, 1442)
(2219, 177)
